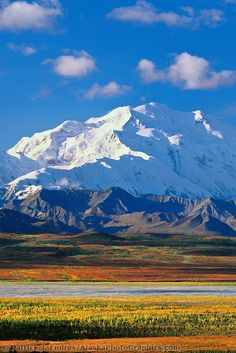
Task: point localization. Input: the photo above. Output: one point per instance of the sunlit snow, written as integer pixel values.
(147, 149)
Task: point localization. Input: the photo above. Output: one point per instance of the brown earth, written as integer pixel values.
(178, 344)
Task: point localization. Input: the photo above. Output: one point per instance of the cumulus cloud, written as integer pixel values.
(73, 66)
(23, 49)
(188, 71)
(145, 13)
(43, 92)
(112, 89)
(25, 15)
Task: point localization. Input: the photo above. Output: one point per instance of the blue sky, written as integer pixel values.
(72, 59)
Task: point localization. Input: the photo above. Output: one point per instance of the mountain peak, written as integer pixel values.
(146, 149)
(69, 125)
(118, 117)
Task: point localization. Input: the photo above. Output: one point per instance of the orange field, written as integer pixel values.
(109, 273)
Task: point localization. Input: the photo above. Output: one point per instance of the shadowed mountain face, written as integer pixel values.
(115, 211)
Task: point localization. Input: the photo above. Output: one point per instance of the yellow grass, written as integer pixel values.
(91, 318)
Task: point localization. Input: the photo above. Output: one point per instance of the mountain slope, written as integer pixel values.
(11, 167)
(148, 149)
(115, 211)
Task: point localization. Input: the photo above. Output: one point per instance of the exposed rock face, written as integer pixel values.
(115, 211)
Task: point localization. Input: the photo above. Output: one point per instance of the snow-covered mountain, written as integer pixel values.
(12, 167)
(147, 149)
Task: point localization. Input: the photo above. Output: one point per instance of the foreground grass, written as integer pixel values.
(86, 318)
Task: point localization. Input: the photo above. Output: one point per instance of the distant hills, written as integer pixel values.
(115, 211)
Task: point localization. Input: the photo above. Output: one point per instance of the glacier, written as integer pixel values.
(146, 149)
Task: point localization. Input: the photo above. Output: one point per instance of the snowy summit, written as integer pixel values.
(147, 149)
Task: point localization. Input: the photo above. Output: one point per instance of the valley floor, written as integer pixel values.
(100, 257)
(183, 323)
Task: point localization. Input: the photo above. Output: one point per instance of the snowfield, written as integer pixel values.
(147, 149)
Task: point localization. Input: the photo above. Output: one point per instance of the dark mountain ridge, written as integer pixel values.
(114, 211)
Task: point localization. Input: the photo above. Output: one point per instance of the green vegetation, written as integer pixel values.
(148, 249)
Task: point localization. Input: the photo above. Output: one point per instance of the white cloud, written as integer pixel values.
(210, 17)
(43, 92)
(77, 65)
(188, 71)
(23, 49)
(25, 15)
(146, 13)
(112, 89)
(148, 72)
(142, 11)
